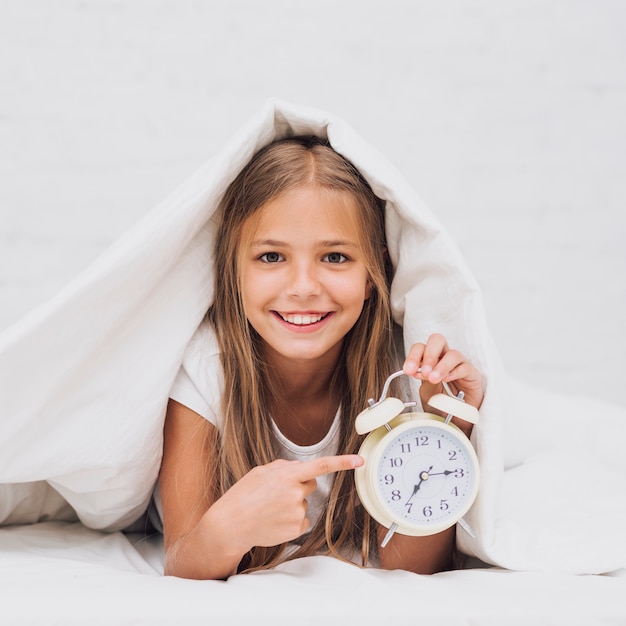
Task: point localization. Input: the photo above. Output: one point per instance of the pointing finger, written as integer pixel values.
(309, 470)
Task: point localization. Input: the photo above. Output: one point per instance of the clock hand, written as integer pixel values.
(444, 473)
(415, 490)
(423, 476)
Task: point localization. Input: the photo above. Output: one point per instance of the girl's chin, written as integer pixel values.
(289, 355)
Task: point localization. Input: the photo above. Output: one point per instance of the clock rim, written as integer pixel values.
(366, 482)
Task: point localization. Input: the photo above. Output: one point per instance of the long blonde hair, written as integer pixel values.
(247, 439)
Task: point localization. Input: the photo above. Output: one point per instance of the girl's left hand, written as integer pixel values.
(434, 363)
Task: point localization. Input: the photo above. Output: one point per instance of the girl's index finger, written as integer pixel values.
(309, 470)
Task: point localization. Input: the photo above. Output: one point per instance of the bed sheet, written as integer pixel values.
(63, 573)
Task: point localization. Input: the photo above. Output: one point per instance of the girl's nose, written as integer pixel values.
(303, 281)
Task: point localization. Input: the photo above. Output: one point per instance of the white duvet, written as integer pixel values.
(85, 380)
(66, 574)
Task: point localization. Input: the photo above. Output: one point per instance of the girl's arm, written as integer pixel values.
(195, 547)
(422, 555)
(206, 537)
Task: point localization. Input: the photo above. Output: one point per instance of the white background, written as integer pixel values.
(507, 117)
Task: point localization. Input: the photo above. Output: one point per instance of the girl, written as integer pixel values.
(256, 462)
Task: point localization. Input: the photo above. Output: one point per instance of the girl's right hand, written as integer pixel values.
(268, 505)
(205, 537)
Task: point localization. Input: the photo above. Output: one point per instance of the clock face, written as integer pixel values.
(426, 476)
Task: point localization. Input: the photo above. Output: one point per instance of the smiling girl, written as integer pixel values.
(256, 461)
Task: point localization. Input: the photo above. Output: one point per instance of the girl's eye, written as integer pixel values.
(335, 257)
(271, 257)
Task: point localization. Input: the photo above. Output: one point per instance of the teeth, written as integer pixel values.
(302, 320)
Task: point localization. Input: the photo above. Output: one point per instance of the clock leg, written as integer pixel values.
(389, 535)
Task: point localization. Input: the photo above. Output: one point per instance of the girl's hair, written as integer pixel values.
(247, 439)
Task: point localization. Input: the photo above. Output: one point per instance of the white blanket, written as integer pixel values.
(55, 573)
(85, 378)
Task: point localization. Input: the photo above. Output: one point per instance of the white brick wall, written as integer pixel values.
(506, 115)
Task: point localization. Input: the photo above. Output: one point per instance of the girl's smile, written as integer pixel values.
(305, 321)
(304, 279)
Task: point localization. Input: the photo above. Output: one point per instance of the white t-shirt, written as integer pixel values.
(199, 385)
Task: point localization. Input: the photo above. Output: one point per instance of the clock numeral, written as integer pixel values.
(389, 478)
(452, 455)
(409, 506)
(427, 511)
(455, 491)
(395, 495)
(459, 472)
(395, 462)
(443, 505)
(422, 440)
(405, 447)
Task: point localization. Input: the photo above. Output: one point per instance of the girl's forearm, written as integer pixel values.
(422, 555)
(205, 553)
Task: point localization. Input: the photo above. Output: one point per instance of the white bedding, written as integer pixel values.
(54, 573)
(84, 383)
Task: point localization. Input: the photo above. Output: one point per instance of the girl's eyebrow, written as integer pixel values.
(338, 243)
(268, 242)
(326, 243)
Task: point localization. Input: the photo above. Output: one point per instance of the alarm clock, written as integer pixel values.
(421, 472)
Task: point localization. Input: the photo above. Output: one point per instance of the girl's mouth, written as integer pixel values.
(302, 319)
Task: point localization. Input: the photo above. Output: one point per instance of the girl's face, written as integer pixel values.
(303, 274)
